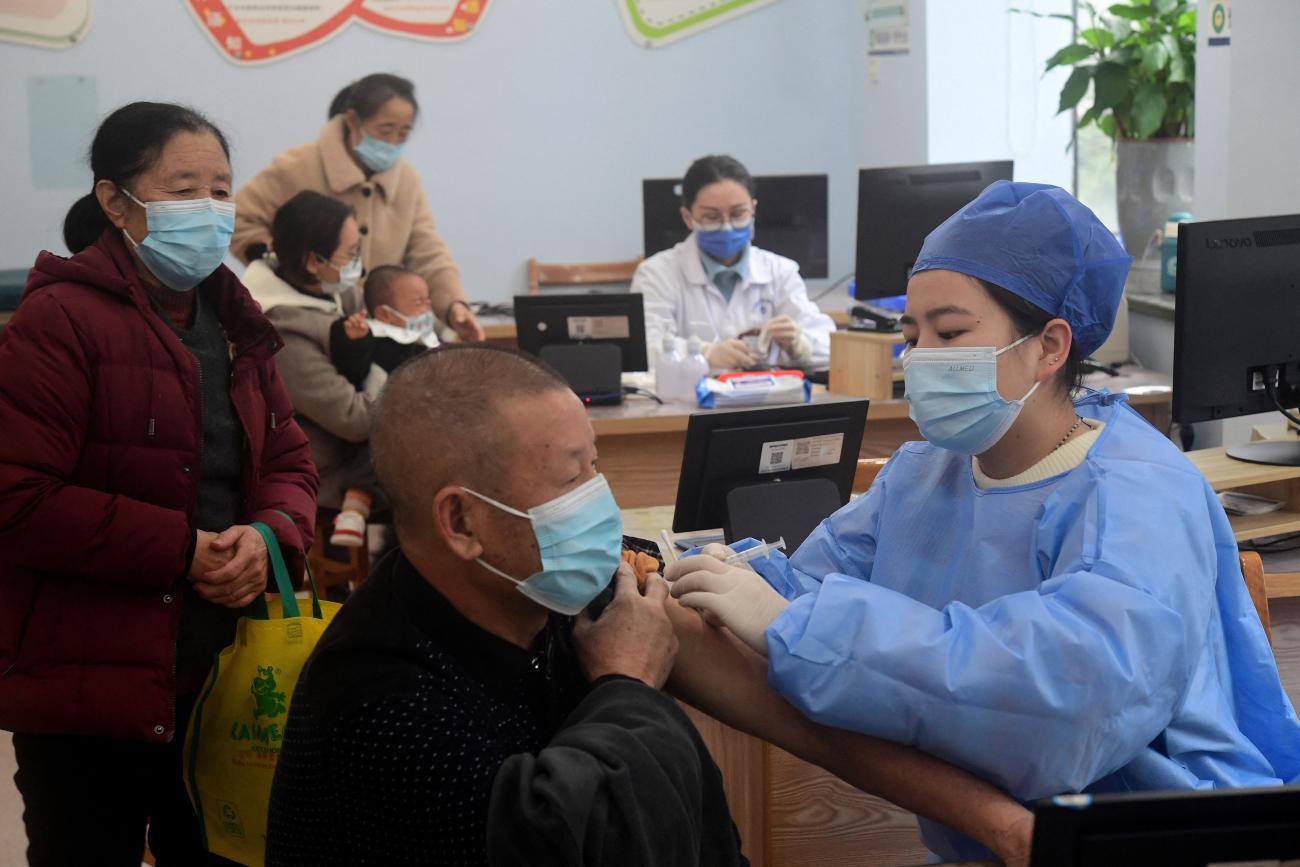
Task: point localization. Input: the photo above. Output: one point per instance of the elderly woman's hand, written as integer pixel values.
(466, 325)
(241, 580)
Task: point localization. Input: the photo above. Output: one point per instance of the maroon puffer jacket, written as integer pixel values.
(100, 438)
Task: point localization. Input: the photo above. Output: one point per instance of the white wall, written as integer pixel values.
(1247, 134)
(987, 96)
(892, 113)
(535, 132)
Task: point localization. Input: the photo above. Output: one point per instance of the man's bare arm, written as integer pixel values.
(720, 676)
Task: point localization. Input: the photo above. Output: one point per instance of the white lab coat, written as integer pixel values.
(679, 300)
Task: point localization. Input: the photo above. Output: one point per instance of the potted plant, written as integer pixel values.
(1138, 58)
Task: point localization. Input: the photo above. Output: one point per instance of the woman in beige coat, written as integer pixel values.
(357, 160)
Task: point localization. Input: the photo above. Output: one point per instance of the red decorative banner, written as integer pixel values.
(259, 31)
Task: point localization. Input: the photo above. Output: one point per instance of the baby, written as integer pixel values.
(365, 347)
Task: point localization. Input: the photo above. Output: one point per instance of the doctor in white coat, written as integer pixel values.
(719, 286)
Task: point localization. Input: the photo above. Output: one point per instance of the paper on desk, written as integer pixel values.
(1238, 503)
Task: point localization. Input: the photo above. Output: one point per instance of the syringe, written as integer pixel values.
(760, 550)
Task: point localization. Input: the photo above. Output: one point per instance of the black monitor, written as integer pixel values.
(1225, 826)
(790, 220)
(770, 472)
(898, 207)
(1237, 325)
(590, 339)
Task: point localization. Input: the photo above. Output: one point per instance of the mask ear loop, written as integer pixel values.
(500, 505)
(406, 323)
(507, 509)
(1033, 388)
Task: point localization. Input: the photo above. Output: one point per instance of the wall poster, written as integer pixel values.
(653, 23)
(260, 31)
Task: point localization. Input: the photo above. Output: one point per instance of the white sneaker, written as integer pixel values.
(349, 530)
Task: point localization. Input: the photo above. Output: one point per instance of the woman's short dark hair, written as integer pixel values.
(710, 170)
(367, 95)
(1028, 319)
(126, 144)
(308, 223)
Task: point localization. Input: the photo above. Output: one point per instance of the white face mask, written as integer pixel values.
(417, 326)
(349, 274)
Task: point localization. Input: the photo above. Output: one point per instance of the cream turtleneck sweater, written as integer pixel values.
(1060, 460)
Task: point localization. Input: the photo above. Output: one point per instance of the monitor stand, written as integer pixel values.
(593, 370)
(1274, 453)
(780, 509)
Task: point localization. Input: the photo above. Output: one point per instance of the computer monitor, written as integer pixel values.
(898, 207)
(791, 218)
(1237, 325)
(1224, 826)
(590, 339)
(771, 472)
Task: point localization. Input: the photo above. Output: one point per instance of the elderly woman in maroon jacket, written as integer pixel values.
(144, 429)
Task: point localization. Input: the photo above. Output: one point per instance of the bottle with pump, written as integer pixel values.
(695, 367)
(669, 369)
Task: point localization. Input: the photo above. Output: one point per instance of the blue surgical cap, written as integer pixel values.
(1042, 244)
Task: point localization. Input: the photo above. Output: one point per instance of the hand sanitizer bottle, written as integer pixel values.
(695, 367)
(668, 371)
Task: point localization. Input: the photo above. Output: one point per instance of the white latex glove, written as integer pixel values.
(730, 354)
(786, 333)
(735, 596)
(783, 330)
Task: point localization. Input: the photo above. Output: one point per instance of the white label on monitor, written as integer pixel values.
(599, 328)
(822, 451)
(776, 456)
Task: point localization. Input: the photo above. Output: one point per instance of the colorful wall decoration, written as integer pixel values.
(262, 31)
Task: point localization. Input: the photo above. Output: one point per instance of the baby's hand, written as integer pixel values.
(355, 326)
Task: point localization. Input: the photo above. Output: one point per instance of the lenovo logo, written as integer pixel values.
(1229, 243)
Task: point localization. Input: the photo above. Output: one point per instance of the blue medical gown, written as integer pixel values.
(1090, 632)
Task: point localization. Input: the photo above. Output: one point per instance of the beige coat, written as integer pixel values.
(329, 409)
(396, 223)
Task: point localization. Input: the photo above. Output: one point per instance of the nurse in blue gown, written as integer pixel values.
(1045, 592)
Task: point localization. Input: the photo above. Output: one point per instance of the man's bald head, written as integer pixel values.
(440, 421)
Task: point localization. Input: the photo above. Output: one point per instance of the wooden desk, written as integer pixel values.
(1277, 483)
(641, 442)
(499, 330)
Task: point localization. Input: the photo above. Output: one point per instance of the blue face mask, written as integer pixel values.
(953, 397)
(377, 154)
(187, 239)
(723, 244)
(580, 537)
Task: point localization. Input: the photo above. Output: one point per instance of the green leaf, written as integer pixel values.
(1178, 71)
(1075, 87)
(1155, 57)
(1111, 85)
(1070, 55)
(1164, 6)
(1176, 46)
(1120, 28)
(1107, 125)
(1088, 117)
(1187, 22)
(1132, 13)
(1148, 110)
(1098, 38)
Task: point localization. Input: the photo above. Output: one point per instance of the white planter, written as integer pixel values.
(1154, 180)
